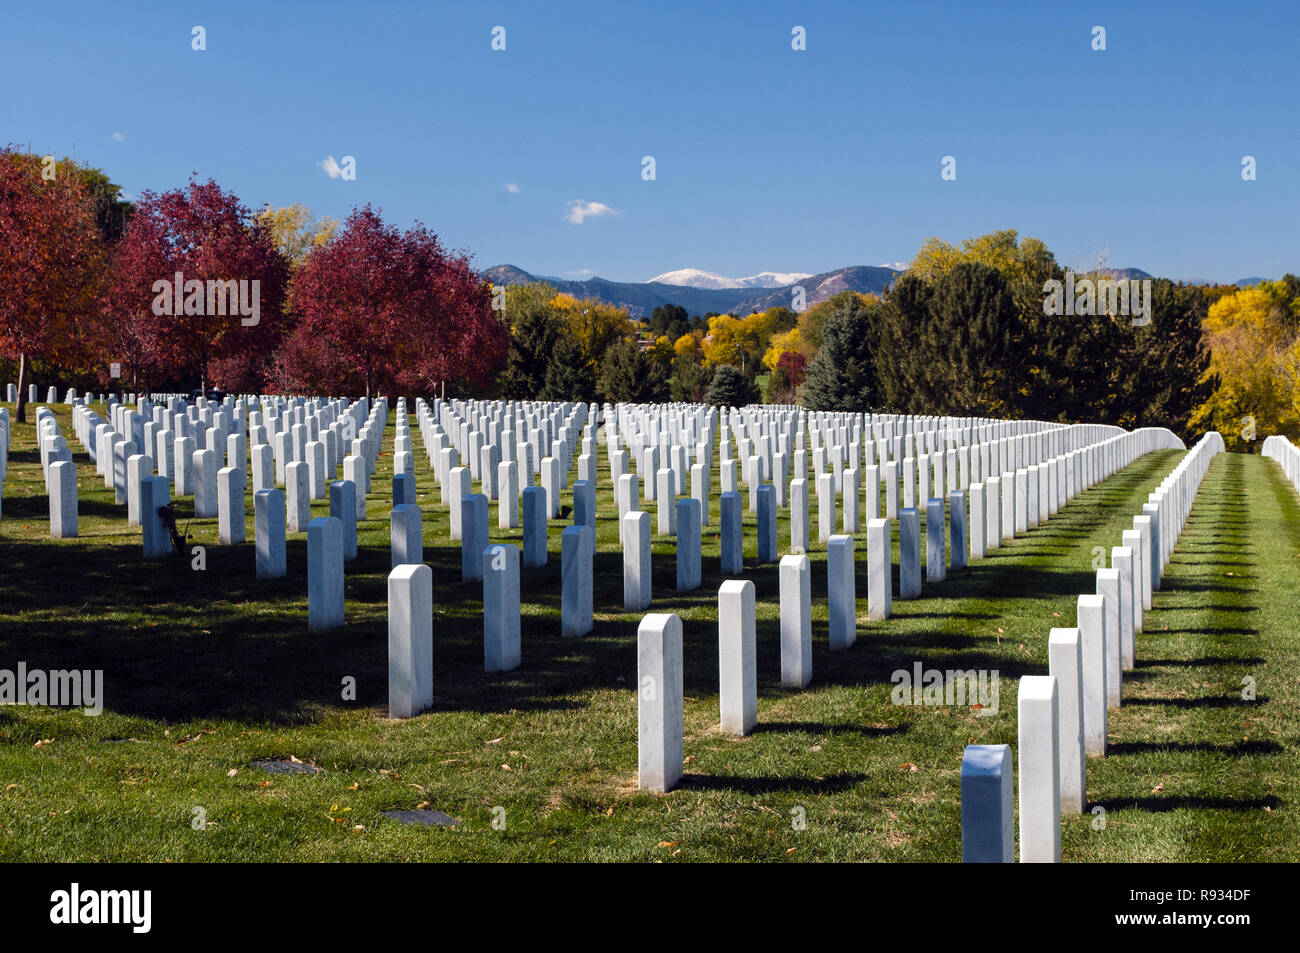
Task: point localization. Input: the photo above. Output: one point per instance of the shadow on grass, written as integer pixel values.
(769, 785)
(1161, 805)
(1239, 749)
(1203, 661)
(1208, 701)
(178, 644)
(826, 728)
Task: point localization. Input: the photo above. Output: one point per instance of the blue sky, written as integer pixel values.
(766, 158)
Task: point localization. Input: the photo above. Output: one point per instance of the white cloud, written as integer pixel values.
(332, 168)
(579, 210)
(119, 137)
(581, 271)
(511, 188)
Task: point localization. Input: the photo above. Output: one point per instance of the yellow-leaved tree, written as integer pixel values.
(743, 341)
(593, 324)
(1255, 366)
(722, 343)
(296, 230)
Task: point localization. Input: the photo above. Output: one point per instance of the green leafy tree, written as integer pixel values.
(629, 375)
(1164, 364)
(670, 320)
(960, 351)
(731, 388)
(690, 380)
(569, 377)
(112, 212)
(534, 330)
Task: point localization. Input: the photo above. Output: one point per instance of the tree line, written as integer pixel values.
(362, 306)
(87, 281)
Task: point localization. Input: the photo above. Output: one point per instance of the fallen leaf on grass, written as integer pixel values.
(791, 851)
(1157, 789)
(908, 766)
(668, 843)
(232, 772)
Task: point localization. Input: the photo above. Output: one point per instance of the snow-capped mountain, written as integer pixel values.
(696, 278)
(896, 265)
(641, 298)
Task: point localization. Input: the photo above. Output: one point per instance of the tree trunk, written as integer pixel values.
(22, 388)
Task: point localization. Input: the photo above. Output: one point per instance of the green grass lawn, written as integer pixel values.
(207, 671)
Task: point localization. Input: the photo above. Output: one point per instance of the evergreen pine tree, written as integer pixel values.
(731, 388)
(843, 376)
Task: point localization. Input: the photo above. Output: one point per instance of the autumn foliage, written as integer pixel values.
(204, 234)
(370, 308)
(382, 309)
(51, 264)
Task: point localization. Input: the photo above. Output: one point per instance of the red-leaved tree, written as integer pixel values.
(383, 309)
(51, 260)
(212, 240)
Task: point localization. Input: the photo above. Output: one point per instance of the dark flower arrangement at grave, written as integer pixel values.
(178, 539)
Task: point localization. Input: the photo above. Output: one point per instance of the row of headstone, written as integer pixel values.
(1063, 716)
(475, 427)
(1287, 455)
(678, 517)
(318, 433)
(325, 577)
(1092, 462)
(504, 455)
(644, 456)
(220, 491)
(60, 475)
(51, 394)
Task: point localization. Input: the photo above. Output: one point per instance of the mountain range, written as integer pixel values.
(695, 278)
(705, 292)
(732, 297)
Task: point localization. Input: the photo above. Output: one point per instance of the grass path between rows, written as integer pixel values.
(1195, 771)
(207, 671)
